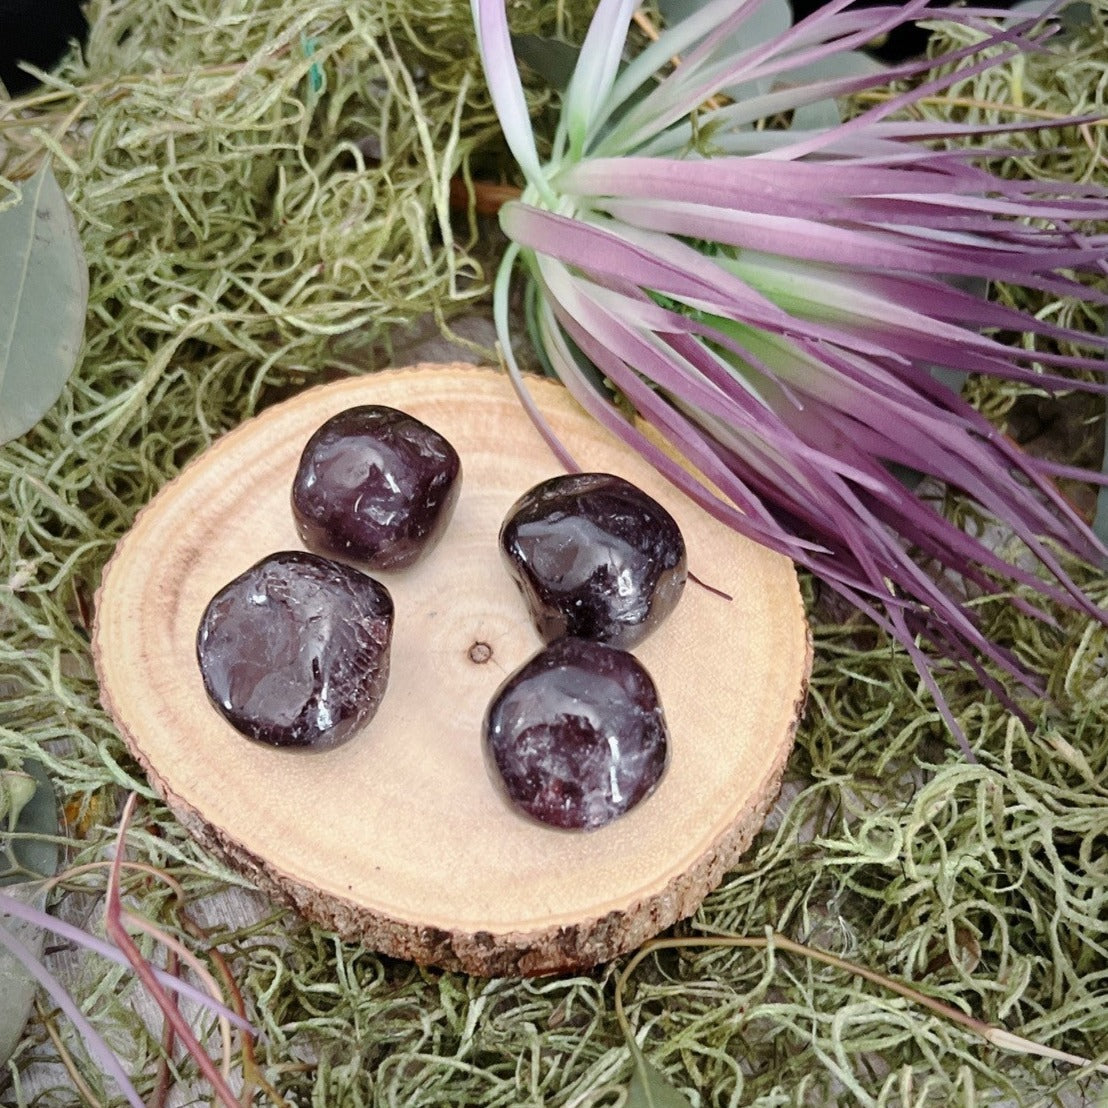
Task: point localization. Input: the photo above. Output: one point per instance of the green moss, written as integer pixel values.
(243, 243)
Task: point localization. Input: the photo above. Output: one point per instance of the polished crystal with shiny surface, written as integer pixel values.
(595, 557)
(375, 486)
(295, 651)
(576, 736)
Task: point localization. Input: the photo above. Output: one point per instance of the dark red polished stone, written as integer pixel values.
(376, 486)
(594, 557)
(577, 736)
(295, 651)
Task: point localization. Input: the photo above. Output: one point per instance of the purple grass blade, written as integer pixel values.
(885, 144)
(682, 91)
(958, 475)
(637, 257)
(676, 40)
(916, 523)
(745, 113)
(676, 378)
(901, 307)
(495, 44)
(735, 182)
(582, 244)
(12, 907)
(1018, 38)
(664, 416)
(99, 1049)
(690, 441)
(948, 303)
(798, 237)
(742, 512)
(595, 71)
(976, 357)
(750, 110)
(722, 35)
(500, 319)
(957, 547)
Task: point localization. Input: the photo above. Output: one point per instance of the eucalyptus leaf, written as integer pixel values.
(1076, 16)
(36, 855)
(825, 113)
(43, 297)
(767, 21)
(553, 59)
(649, 1088)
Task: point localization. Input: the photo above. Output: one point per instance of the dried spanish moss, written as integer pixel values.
(245, 240)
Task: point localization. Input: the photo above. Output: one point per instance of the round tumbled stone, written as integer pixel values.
(576, 736)
(595, 557)
(376, 486)
(295, 651)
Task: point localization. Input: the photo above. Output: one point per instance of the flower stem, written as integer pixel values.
(116, 931)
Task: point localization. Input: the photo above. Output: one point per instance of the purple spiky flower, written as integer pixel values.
(775, 302)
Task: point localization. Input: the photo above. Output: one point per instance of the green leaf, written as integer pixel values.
(552, 59)
(37, 817)
(43, 297)
(1074, 17)
(766, 22)
(35, 855)
(825, 113)
(649, 1088)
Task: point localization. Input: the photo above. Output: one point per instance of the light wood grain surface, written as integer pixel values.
(399, 838)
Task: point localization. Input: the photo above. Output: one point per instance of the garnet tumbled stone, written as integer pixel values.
(375, 485)
(295, 651)
(594, 557)
(576, 736)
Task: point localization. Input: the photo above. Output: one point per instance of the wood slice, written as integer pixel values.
(399, 838)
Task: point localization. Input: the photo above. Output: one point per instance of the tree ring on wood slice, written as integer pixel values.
(399, 838)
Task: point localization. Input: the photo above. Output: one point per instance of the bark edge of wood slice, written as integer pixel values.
(399, 838)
